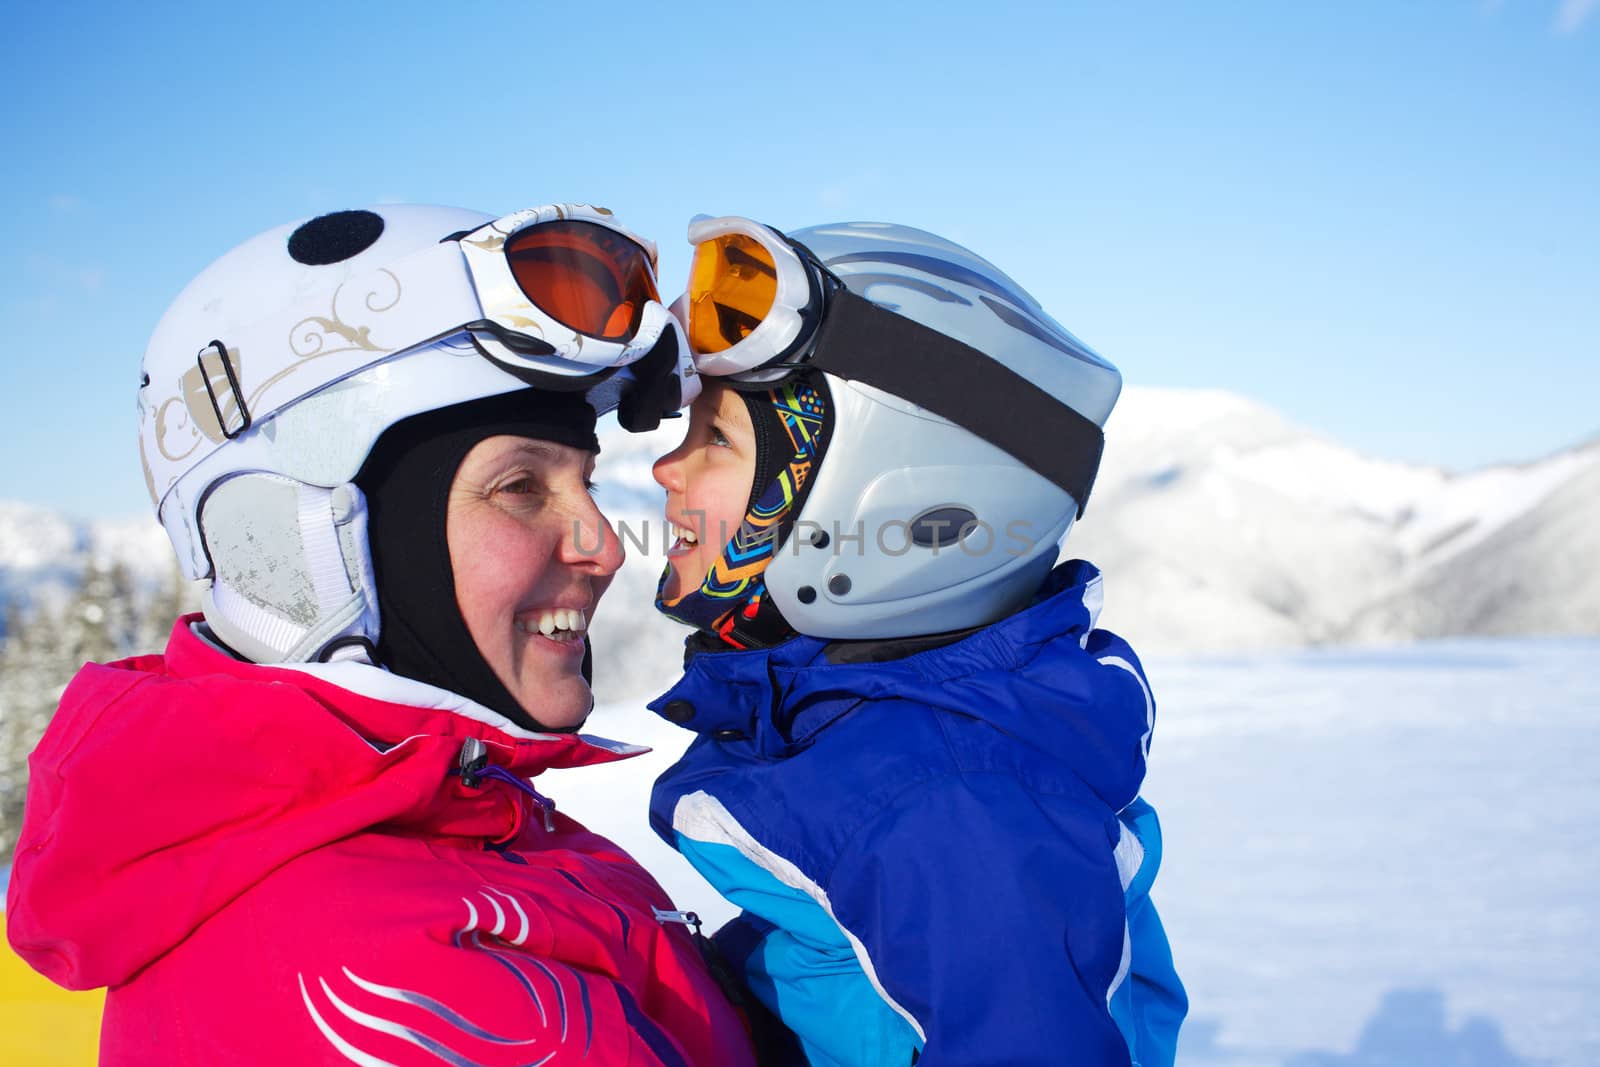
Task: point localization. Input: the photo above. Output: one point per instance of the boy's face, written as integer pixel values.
(707, 479)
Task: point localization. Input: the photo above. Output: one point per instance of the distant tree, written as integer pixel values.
(107, 619)
(174, 597)
(32, 677)
(101, 623)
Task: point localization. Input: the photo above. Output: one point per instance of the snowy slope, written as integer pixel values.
(1371, 858)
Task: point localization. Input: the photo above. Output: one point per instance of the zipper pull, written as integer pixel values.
(475, 767)
(474, 757)
(687, 918)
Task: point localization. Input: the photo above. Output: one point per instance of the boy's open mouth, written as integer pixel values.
(684, 540)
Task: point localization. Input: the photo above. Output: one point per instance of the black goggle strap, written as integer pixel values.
(861, 342)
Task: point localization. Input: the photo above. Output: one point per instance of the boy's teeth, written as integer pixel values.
(688, 537)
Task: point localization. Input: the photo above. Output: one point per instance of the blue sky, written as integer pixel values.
(1382, 220)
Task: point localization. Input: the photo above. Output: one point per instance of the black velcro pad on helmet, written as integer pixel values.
(334, 238)
(655, 391)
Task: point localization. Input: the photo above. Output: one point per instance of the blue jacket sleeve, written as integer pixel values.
(993, 917)
(793, 957)
(1150, 1006)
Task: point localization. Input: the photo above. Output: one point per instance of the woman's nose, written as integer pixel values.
(594, 541)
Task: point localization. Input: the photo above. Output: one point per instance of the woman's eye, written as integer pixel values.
(592, 486)
(720, 439)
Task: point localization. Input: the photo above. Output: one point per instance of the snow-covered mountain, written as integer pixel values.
(1220, 526)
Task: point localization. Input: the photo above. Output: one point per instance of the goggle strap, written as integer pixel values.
(861, 342)
(657, 390)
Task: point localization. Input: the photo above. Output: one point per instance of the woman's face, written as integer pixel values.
(531, 555)
(707, 479)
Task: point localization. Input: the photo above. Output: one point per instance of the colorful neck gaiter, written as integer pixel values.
(793, 423)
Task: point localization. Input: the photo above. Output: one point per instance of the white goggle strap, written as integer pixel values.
(370, 316)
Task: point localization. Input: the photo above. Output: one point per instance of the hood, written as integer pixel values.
(1045, 677)
(167, 785)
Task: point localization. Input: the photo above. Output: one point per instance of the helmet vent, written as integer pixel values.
(943, 526)
(335, 238)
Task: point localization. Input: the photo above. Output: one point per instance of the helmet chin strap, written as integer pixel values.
(291, 574)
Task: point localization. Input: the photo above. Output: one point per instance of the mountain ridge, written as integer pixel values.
(1220, 526)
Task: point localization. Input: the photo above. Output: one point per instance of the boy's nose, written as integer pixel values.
(668, 471)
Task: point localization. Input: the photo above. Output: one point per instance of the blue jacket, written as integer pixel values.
(940, 856)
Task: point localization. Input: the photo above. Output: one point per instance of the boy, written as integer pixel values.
(919, 763)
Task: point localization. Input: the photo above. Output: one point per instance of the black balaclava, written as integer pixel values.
(406, 479)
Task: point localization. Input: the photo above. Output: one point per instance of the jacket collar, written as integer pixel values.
(781, 696)
(388, 709)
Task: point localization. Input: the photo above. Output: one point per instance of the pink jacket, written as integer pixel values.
(269, 867)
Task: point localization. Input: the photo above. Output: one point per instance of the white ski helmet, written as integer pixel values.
(953, 440)
(268, 380)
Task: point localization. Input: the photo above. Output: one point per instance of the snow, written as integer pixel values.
(1372, 857)
(1226, 527)
(1346, 827)
(1480, 503)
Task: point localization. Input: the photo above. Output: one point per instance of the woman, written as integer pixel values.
(305, 834)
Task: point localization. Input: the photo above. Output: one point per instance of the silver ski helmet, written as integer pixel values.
(961, 434)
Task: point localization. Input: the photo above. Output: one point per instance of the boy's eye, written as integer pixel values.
(719, 438)
(520, 486)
